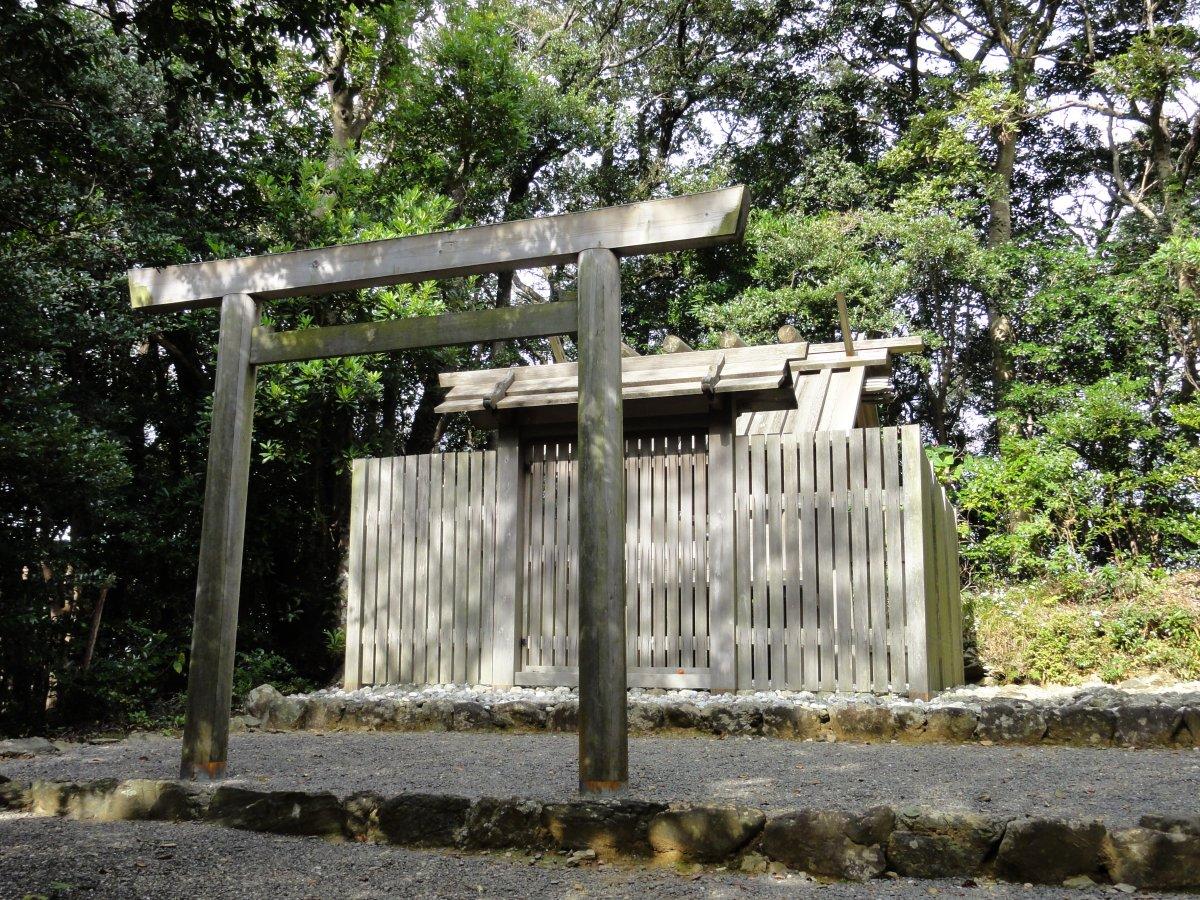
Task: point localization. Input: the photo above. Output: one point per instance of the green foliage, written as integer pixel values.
(1113, 623)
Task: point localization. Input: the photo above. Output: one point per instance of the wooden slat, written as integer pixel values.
(437, 549)
(810, 599)
(825, 559)
(860, 562)
(671, 555)
(759, 590)
(573, 563)
(421, 571)
(688, 462)
(383, 550)
(876, 548)
(701, 575)
(811, 390)
(658, 586)
(370, 571)
(461, 568)
(470, 327)
(744, 566)
(843, 622)
(395, 593)
(470, 595)
(722, 581)
(894, 535)
(841, 403)
(510, 485)
(562, 500)
(645, 556)
(631, 552)
(354, 589)
(773, 521)
(653, 226)
(408, 587)
(793, 673)
(917, 637)
(491, 570)
(546, 575)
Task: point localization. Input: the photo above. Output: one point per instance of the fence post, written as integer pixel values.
(219, 575)
(510, 551)
(912, 458)
(603, 728)
(722, 559)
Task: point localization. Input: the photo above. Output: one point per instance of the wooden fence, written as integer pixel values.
(828, 561)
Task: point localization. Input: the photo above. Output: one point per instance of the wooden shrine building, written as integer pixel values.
(775, 536)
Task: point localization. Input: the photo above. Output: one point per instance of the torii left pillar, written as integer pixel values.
(218, 579)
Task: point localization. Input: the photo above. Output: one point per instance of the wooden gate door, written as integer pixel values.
(666, 562)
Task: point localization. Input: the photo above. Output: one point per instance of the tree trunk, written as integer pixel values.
(1000, 328)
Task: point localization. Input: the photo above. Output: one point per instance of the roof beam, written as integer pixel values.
(654, 226)
(471, 327)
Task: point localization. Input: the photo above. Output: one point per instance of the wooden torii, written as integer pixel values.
(594, 239)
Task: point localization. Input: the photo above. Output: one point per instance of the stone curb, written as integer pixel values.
(1088, 720)
(1161, 852)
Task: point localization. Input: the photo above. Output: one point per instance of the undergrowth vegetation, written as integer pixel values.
(1112, 624)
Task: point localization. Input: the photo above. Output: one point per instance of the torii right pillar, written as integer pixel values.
(603, 729)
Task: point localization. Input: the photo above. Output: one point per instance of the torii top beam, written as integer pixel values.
(653, 226)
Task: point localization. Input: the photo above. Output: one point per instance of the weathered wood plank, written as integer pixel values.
(793, 674)
(370, 572)
(470, 327)
(383, 553)
(810, 599)
(876, 548)
(700, 581)
(408, 583)
(687, 555)
(632, 502)
(352, 678)
(915, 586)
(573, 559)
(421, 570)
(773, 520)
(396, 527)
(512, 502)
(645, 556)
(826, 559)
(462, 564)
(744, 565)
(492, 568)
(860, 562)
(671, 555)
(844, 623)
(654, 226)
(437, 558)
(897, 618)
(759, 591)
(562, 516)
(658, 586)
(218, 577)
(603, 731)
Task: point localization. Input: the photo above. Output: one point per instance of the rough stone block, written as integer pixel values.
(682, 716)
(862, 722)
(829, 842)
(467, 715)
(908, 722)
(706, 834)
(258, 701)
(324, 713)
(26, 747)
(1148, 858)
(146, 799)
(732, 718)
(1048, 851)
(496, 823)
(1146, 725)
(286, 713)
(787, 720)
(361, 810)
(610, 827)
(1080, 725)
(1011, 723)
(278, 812)
(520, 715)
(645, 718)
(13, 794)
(950, 724)
(564, 716)
(420, 820)
(1190, 733)
(936, 844)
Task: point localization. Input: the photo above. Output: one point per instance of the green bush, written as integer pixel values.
(1110, 624)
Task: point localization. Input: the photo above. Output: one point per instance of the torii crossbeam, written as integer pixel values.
(594, 239)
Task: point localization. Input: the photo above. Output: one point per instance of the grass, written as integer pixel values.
(1110, 624)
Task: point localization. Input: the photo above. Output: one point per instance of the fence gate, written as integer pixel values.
(666, 562)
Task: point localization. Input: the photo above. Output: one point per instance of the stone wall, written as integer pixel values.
(1160, 852)
(1092, 717)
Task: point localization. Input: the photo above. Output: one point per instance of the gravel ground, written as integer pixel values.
(59, 858)
(1115, 785)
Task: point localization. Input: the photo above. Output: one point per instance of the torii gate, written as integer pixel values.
(594, 239)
